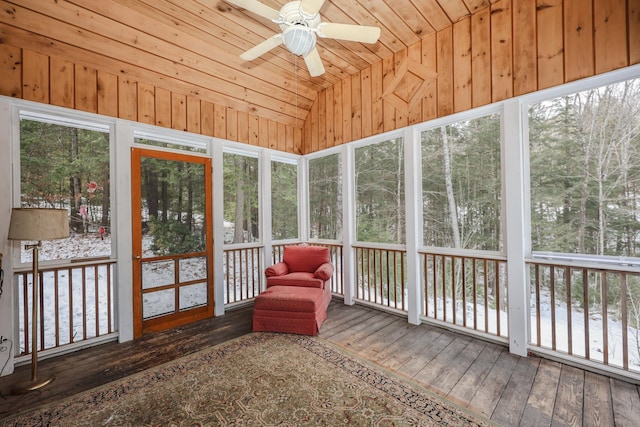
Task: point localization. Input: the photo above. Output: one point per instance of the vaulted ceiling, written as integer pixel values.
(193, 46)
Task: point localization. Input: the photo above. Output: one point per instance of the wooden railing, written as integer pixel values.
(337, 280)
(467, 291)
(381, 276)
(76, 305)
(243, 272)
(586, 312)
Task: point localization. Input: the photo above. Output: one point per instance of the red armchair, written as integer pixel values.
(297, 294)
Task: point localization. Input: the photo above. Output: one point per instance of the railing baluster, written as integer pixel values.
(552, 290)
(585, 290)
(538, 332)
(605, 321)
(625, 325)
(485, 281)
(497, 288)
(567, 284)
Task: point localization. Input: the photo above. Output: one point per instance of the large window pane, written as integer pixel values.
(240, 199)
(284, 200)
(461, 185)
(380, 208)
(67, 167)
(325, 198)
(585, 172)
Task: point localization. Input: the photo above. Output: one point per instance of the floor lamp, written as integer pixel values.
(36, 224)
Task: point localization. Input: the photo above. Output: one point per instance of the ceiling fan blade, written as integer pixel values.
(314, 63)
(354, 33)
(311, 7)
(258, 8)
(262, 48)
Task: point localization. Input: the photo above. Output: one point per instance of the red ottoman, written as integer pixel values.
(291, 309)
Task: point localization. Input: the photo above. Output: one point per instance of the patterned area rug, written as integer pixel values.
(257, 380)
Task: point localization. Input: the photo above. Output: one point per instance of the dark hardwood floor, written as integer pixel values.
(479, 375)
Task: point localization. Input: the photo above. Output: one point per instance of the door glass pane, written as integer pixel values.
(157, 273)
(173, 209)
(193, 269)
(193, 296)
(158, 303)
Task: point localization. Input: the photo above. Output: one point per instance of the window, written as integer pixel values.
(284, 200)
(66, 165)
(325, 198)
(585, 172)
(380, 207)
(240, 199)
(461, 185)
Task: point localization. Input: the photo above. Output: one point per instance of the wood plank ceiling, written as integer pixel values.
(193, 46)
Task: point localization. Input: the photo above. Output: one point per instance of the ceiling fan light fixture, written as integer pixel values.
(299, 39)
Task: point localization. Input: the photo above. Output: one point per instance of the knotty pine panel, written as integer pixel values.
(107, 94)
(330, 139)
(578, 40)
(347, 110)
(444, 41)
(206, 125)
(377, 120)
(163, 107)
(11, 71)
(462, 65)
(178, 111)
(127, 99)
(62, 85)
(429, 58)
(322, 120)
(243, 127)
(35, 76)
(414, 52)
(480, 58)
(610, 20)
(550, 45)
(272, 131)
(232, 124)
(402, 116)
(367, 102)
(86, 89)
(219, 121)
(146, 104)
(634, 31)
(388, 111)
(254, 130)
(193, 114)
(337, 114)
(501, 51)
(356, 107)
(525, 74)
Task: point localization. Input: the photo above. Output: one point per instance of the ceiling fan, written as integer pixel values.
(300, 24)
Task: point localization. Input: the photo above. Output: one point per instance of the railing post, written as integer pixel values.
(217, 166)
(413, 203)
(516, 193)
(349, 224)
(122, 229)
(265, 207)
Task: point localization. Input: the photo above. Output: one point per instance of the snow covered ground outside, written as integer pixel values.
(75, 304)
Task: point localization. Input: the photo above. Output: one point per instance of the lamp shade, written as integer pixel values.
(38, 224)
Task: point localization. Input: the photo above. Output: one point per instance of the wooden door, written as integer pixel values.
(172, 240)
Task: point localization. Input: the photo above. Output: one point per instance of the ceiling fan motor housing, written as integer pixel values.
(297, 28)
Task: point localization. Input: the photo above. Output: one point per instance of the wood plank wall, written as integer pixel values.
(50, 80)
(507, 49)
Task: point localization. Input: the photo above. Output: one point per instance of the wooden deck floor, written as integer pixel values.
(479, 375)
